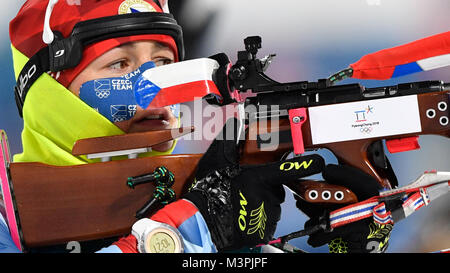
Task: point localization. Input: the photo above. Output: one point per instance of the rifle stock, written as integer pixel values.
(57, 204)
(358, 153)
(314, 191)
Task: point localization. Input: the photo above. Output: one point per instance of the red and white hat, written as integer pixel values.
(35, 24)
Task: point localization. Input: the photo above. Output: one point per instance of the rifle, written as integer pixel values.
(57, 204)
(340, 118)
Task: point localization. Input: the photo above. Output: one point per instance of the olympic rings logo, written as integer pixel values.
(102, 94)
(366, 130)
(119, 118)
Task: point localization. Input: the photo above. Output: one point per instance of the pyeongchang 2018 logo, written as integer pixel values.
(363, 120)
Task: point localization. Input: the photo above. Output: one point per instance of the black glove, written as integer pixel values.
(241, 203)
(361, 236)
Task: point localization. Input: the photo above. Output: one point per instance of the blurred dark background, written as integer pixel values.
(312, 40)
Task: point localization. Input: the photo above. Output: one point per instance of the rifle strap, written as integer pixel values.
(391, 208)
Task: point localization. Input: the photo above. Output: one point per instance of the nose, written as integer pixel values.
(150, 50)
(144, 58)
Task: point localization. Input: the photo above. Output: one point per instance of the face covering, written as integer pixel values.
(149, 86)
(117, 98)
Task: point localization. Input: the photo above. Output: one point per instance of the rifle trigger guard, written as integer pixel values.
(297, 117)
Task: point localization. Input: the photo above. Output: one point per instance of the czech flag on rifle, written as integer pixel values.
(421, 55)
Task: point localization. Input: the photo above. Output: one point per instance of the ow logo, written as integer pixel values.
(287, 166)
(242, 212)
(23, 79)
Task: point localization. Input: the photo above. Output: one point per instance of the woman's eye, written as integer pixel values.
(162, 61)
(119, 65)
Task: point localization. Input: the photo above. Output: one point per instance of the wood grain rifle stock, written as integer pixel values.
(356, 153)
(57, 204)
(85, 202)
(127, 141)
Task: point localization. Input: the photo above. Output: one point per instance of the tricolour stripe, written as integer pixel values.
(413, 203)
(425, 54)
(422, 65)
(381, 215)
(434, 62)
(184, 93)
(352, 213)
(413, 199)
(181, 82)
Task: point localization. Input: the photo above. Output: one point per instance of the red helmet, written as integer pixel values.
(65, 36)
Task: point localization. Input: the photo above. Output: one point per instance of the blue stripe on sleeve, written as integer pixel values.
(196, 236)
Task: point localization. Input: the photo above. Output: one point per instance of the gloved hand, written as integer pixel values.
(361, 236)
(241, 203)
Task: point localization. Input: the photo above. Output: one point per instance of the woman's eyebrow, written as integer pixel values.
(161, 45)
